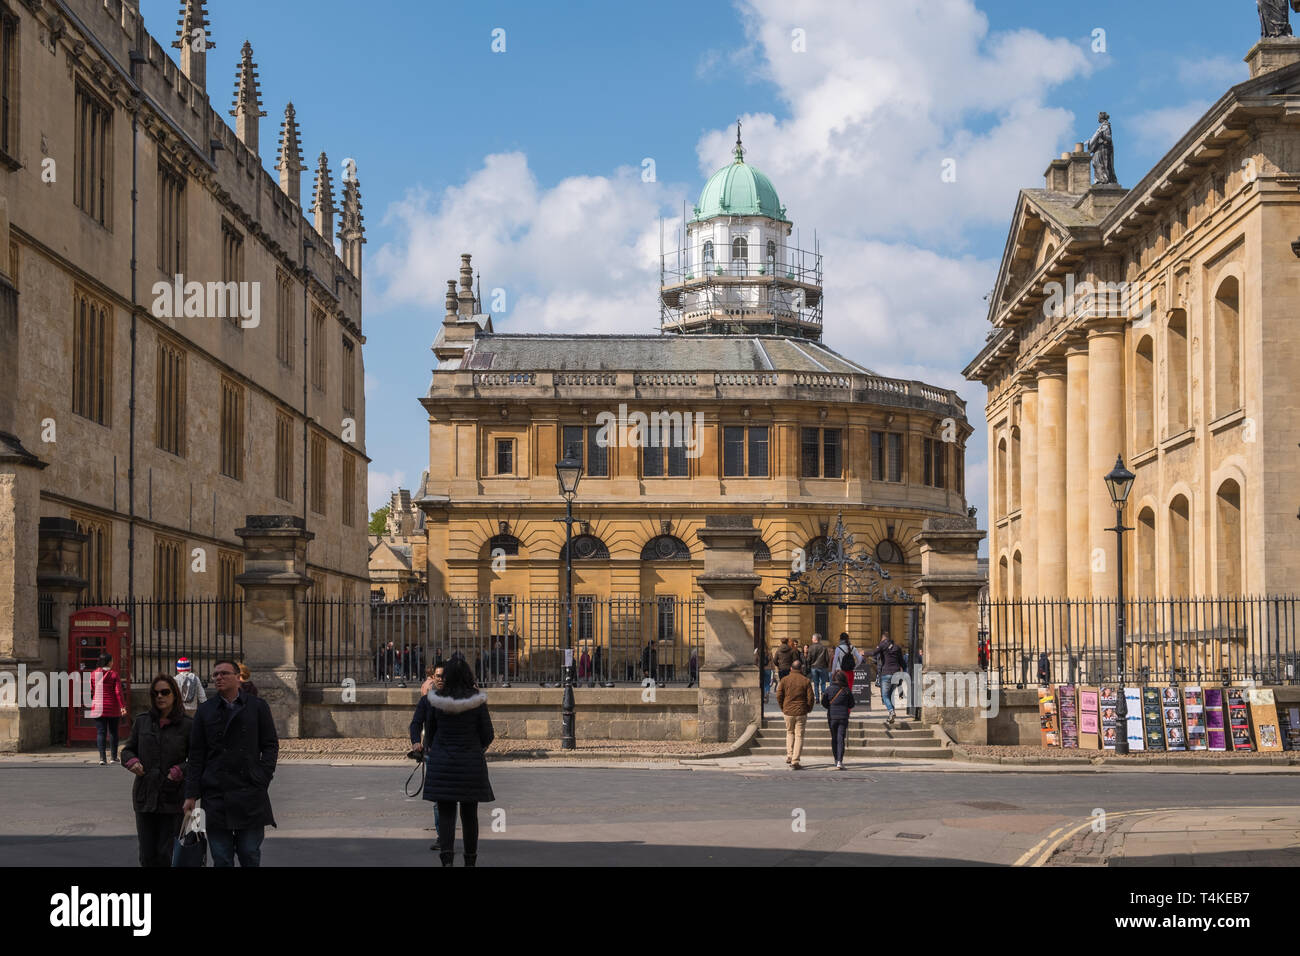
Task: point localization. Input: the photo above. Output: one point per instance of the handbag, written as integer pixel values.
(191, 847)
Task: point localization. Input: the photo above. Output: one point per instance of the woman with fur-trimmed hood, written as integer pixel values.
(457, 734)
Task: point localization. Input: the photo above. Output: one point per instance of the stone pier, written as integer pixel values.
(730, 699)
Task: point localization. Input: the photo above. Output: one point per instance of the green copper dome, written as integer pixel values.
(739, 190)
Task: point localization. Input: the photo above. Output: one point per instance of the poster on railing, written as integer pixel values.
(1108, 701)
(1051, 736)
(1171, 710)
(1067, 702)
(1088, 719)
(1194, 711)
(1234, 702)
(1133, 704)
(1289, 727)
(1155, 728)
(1216, 724)
(1263, 718)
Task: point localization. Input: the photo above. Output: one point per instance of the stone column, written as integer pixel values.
(1105, 441)
(1050, 519)
(1078, 538)
(1028, 478)
(275, 630)
(950, 584)
(729, 693)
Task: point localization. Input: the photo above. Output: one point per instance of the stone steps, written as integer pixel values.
(866, 738)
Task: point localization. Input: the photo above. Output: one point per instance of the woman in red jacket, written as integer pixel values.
(107, 706)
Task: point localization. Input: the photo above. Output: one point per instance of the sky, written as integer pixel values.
(519, 132)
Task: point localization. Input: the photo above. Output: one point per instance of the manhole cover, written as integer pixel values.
(990, 805)
(910, 836)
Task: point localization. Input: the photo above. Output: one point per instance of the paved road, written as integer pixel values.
(76, 815)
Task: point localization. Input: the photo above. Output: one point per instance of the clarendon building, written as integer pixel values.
(180, 345)
(755, 416)
(1156, 323)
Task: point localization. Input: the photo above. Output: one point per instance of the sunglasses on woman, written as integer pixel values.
(165, 692)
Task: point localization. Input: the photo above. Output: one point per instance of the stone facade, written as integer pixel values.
(1154, 323)
(399, 561)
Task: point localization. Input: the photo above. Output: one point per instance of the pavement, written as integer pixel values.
(61, 812)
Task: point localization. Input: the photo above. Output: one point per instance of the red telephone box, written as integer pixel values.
(93, 631)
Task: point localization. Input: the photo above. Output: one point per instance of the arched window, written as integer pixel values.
(888, 552)
(503, 542)
(761, 551)
(771, 256)
(1015, 469)
(665, 548)
(1226, 353)
(587, 547)
(1146, 553)
(1003, 584)
(1180, 547)
(1177, 417)
(708, 254)
(1228, 577)
(1000, 489)
(740, 256)
(1144, 395)
(1017, 576)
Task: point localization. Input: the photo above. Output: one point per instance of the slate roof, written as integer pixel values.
(655, 353)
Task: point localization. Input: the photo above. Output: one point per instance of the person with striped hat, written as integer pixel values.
(191, 687)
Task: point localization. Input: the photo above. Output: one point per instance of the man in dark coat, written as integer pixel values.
(889, 662)
(233, 750)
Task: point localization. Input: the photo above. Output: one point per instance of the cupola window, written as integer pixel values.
(740, 256)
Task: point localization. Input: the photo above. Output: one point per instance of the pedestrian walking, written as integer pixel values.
(650, 661)
(233, 751)
(157, 752)
(838, 701)
(107, 705)
(584, 665)
(693, 667)
(783, 658)
(794, 695)
(845, 658)
(889, 662)
(191, 688)
(818, 661)
(432, 685)
(458, 732)
(1044, 669)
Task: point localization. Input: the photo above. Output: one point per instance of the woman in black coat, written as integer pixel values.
(838, 700)
(458, 733)
(158, 753)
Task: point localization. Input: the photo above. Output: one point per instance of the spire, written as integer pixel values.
(740, 150)
(193, 41)
(289, 162)
(322, 199)
(247, 107)
(351, 231)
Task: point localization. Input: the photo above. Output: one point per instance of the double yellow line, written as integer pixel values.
(1041, 852)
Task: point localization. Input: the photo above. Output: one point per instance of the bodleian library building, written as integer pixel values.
(1156, 323)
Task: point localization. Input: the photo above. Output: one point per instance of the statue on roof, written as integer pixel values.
(1274, 18)
(1102, 148)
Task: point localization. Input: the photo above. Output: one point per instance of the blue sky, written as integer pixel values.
(531, 159)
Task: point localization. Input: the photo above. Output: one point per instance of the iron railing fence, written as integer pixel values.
(162, 630)
(616, 640)
(1221, 640)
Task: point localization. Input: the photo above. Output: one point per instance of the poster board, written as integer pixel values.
(1108, 701)
(1264, 720)
(1289, 725)
(1133, 702)
(1089, 726)
(1067, 703)
(1238, 714)
(1194, 715)
(1155, 727)
(1171, 712)
(1216, 720)
(1050, 734)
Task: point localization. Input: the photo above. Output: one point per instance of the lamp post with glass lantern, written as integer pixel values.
(1119, 483)
(569, 472)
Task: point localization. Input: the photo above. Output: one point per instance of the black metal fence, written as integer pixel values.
(164, 630)
(1167, 640)
(506, 641)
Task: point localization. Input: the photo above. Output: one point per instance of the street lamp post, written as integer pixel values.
(1119, 483)
(569, 473)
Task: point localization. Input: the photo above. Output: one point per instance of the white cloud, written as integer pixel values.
(1159, 129)
(1215, 72)
(381, 486)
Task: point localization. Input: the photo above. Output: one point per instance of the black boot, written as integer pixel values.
(446, 858)
(471, 859)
